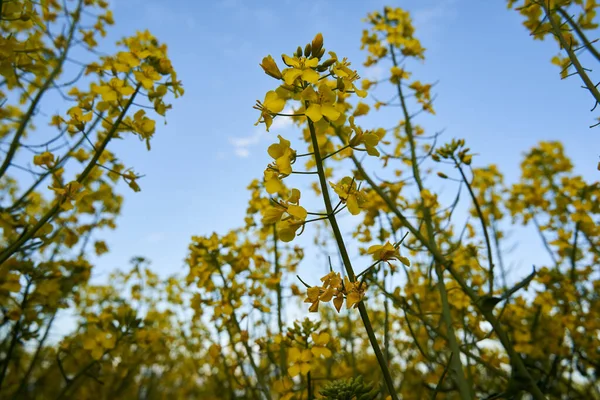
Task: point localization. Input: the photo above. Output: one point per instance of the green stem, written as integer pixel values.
(456, 368)
(347, 264)
(488, 242)
(282, 361)
(572, 56)
(14, 146)
(439, 257)
(14, 247)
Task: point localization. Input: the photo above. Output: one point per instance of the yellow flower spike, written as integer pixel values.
(301, 67)
(283, 155)
(272, 104)
(271, 68)
(321, 103)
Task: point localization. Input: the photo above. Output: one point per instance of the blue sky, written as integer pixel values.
(497, 89)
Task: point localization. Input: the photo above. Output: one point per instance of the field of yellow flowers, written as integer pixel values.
(429, 316)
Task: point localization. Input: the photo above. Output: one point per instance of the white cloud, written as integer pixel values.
(242, 145)
(430, 19)
(155, 237)
(241, 152)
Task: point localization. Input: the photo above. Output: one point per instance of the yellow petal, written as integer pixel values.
(297, 211)
(273, 186)
(290, 75)
(310, 75)
(353, 207)
(330, 112)
(294, 370)
(321, 351)
(314, 112)
(305, 368)
(313, 62)
(337, 303)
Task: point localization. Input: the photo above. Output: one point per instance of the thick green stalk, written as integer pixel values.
(347, 264)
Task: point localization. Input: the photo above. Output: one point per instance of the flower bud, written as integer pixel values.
(307, 50)
(299, 52)
(323, 67)
(270, 67)
(317, 44)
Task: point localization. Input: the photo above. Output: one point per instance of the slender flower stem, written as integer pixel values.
(347, 264)
(488, 242)
(279, 302)
(515, 358)
(456, 368)
(570, 52)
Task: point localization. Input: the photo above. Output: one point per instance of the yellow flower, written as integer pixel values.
(387, 252)
(398, 74)
(97, 342)
(283, 155)
(300, 67)
(355, 292)
(368, 139)
(321, 103)
(78, 119)
(349, 194)
(313, 296)
(46, 159)
(270, 67)
(68, 193)
(320, 344)
(346, 76)
(271, 105)
(300, 361)
(273, 183)
(288, 215)
(113, 90)
(147, 76)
